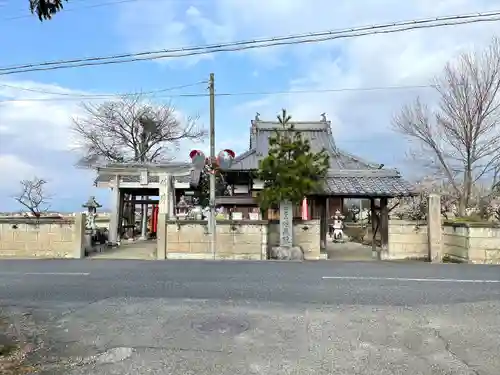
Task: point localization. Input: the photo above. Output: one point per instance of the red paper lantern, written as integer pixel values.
(230, 152)
(225, 158)
(197, 158)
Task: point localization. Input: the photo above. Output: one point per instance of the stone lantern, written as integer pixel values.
(91, 205)
(338, 227)
(182, 208)
(355, 212)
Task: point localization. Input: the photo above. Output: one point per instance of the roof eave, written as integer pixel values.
(367, 195)
(128, 171)
(362, 173)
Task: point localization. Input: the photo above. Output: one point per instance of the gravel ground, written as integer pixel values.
(18, 341)
(269, 318)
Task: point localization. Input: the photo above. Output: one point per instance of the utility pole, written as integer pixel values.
(212, 224)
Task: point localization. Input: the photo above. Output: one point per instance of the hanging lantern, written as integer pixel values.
(230, 153)
(197, 158)
(305, 209)
(225, 158)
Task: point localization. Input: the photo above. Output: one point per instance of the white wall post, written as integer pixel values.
(114, 220)
(434, 229)
(164, 207)
(144, 220)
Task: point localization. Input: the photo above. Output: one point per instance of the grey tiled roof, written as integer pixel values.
(246, 161)
(192, 177)
(319, 136)
(149, 165)
(348, 174)
(151, 179)
(125, 178)
(368, 186)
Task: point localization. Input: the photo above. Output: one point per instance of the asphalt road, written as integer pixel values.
(189, 317)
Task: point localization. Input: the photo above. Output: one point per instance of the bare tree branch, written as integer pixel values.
(461, 136)
(132, 130)
(33, 196)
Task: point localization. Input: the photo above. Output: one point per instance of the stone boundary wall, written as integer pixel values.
(306, 234)
(236, 240)
(477, 243)
(455, 243)
(42, 238)
(408, 240)
(358, 232)
(102, 221)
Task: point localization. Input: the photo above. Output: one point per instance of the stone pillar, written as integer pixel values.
(286, 224)
(79, 236)
(165, 194)
(121, 215)
(144, 221)
(163, 216)
(114, 220)
(434, 229)
(373, 220)
(171, 194)
(161, 237)
(324, 224)
(265, 241)
(384, 228)
(131, 217)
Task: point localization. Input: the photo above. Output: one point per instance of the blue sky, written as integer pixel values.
(34, 134)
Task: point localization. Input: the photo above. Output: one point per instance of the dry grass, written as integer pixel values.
(12, 354)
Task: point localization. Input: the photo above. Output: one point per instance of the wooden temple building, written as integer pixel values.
(348, 177)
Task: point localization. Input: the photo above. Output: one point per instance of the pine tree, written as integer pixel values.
(291, 170)
(204, 186)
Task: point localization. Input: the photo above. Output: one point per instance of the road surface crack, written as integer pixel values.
(180, 349)
(455, 356)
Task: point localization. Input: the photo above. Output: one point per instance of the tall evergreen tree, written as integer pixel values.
(204, 187)
(291, 170)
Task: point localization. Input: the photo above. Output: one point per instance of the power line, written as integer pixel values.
(99, 96)
(225, 94)
(257, 43)
(293, 37)
(317, 91)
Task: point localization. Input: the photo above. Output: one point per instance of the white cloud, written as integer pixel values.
(169, 23)
(383, 60)
(13, 169)
(34, 134)
(41, 115)
(407, 58)
(156, 25)
(38, 115)
(36, 139)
